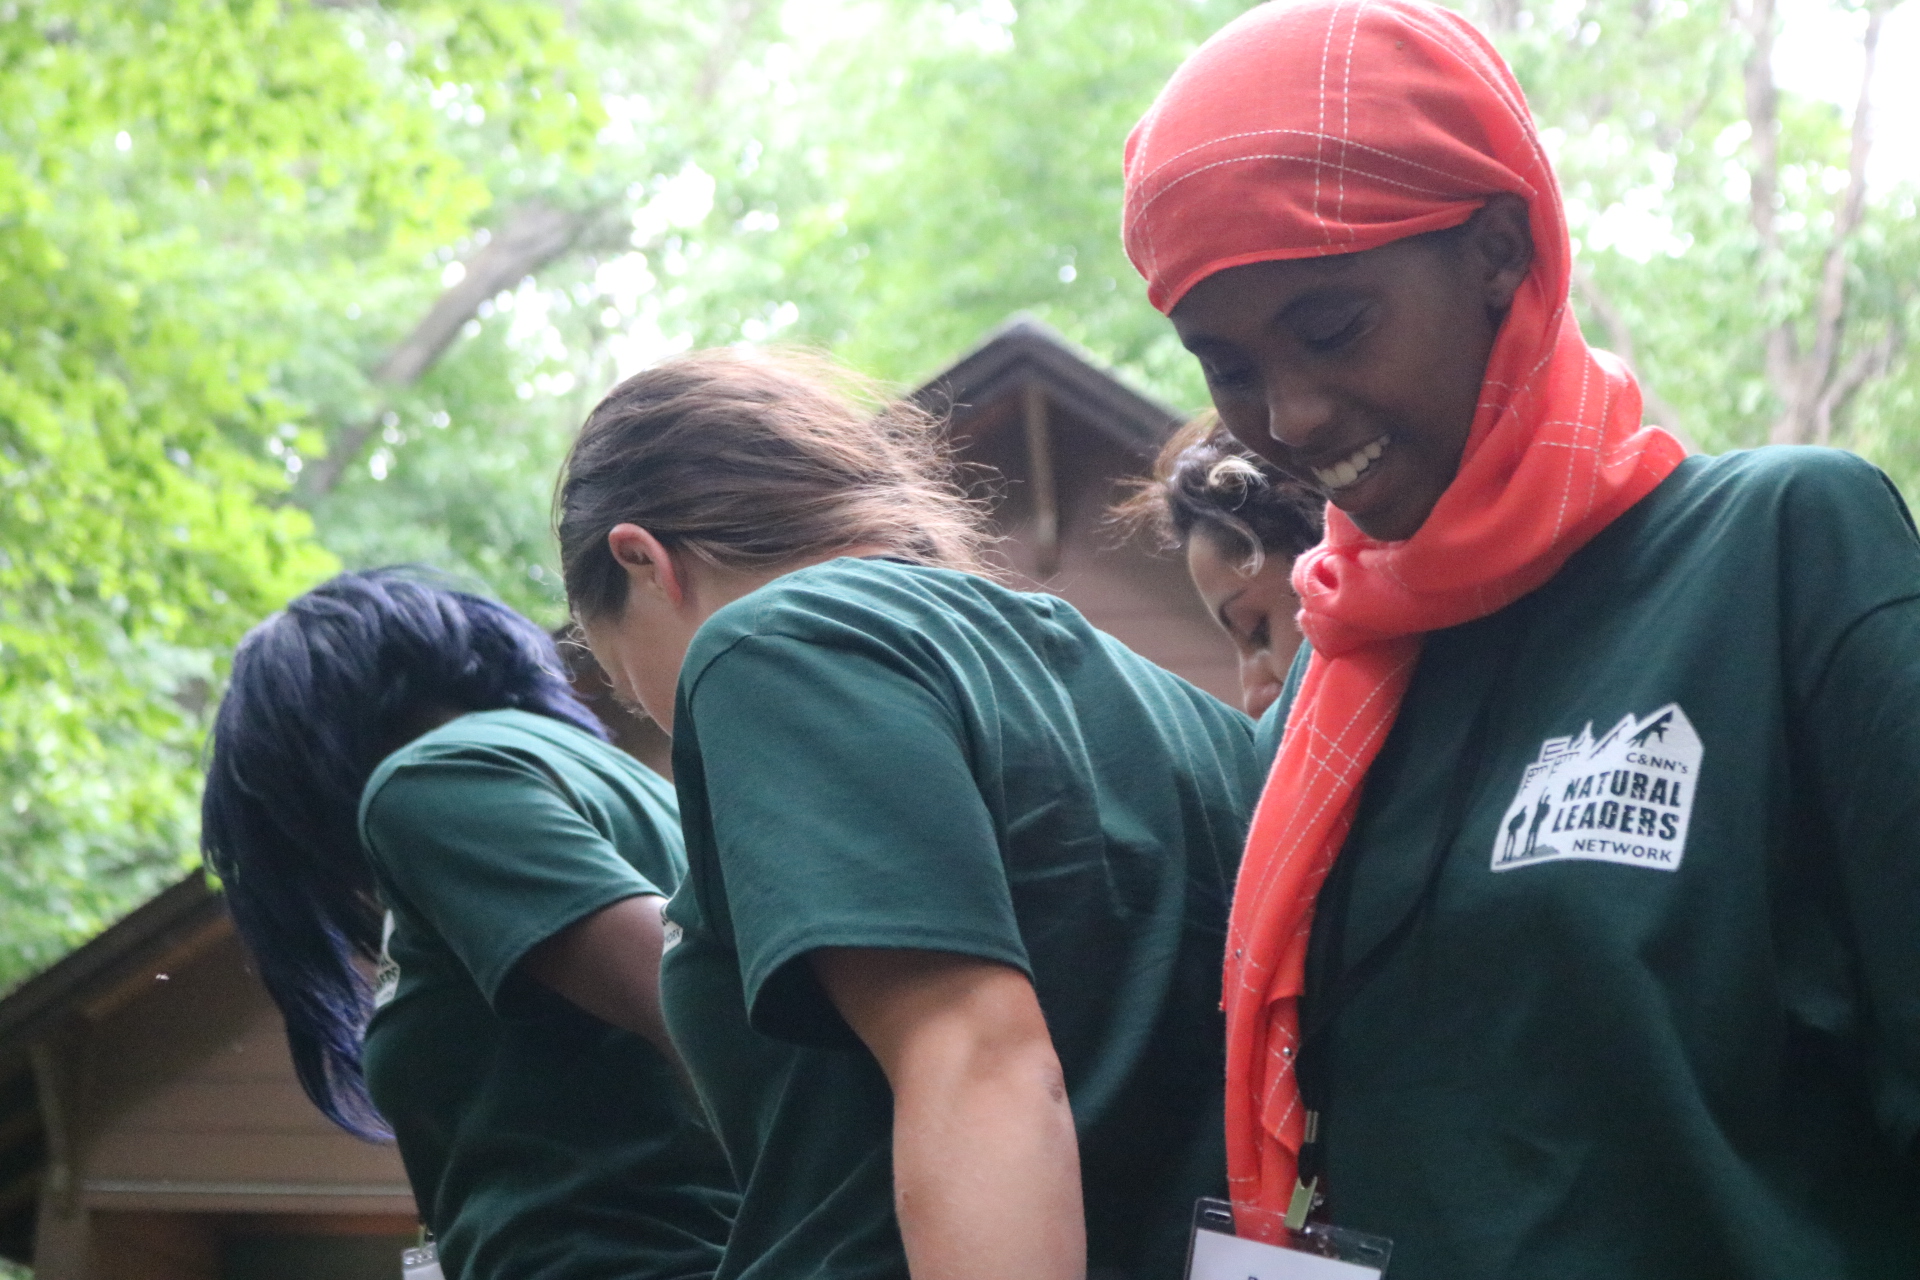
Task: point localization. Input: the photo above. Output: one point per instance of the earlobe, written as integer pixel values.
(1504, 238)
(647, 563)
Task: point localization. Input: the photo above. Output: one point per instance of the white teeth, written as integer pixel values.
(1352, 467)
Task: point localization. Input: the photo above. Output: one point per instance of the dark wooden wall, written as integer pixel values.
(1123, 585)
(187, 1135)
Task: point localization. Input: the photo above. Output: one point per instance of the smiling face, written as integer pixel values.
(1358, 374)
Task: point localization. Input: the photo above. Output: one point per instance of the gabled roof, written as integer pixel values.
(88, 982)
(1024, 351)
(179, 917)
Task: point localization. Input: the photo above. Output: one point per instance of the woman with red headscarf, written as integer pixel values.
(1577, 930)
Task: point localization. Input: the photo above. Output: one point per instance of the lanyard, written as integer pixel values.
(1330, 990)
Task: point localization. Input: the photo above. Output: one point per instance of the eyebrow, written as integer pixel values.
(1200, 343)
(1318, 295)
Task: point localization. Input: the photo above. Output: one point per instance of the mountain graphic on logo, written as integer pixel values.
(1626, 797)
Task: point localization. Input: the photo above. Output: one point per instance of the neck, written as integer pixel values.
(419, 722)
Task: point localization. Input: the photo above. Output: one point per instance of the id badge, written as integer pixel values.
(422, 1263)
(1315, 1251)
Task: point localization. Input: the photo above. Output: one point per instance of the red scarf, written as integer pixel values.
(1310, 127)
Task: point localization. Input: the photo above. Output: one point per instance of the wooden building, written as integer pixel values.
(1057, 440)
(150, 1124)
(151, 1127)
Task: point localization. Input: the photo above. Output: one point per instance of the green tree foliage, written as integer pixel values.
(454, 468)
(892, 178)
(290, 284)
(940, 166)
(188, 192)
(888, 178)
(917, 171)
(1712, 208)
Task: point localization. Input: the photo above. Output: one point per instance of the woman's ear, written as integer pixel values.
(1500, 239)
(647, 563)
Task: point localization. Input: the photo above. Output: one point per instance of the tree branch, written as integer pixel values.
(533, 236)
(1620, 342)
(1498, 17)
(1866, 365)
(742, 17)
(1807, 384)
(1763, 188)
(1831, 307)
(1763, 122)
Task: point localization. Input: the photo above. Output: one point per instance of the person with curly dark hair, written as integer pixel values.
(1241, 524)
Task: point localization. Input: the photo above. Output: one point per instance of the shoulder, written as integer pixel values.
(505, 748)
(502, 737)
(1789, 480)
(1768, 512)
(883, 608)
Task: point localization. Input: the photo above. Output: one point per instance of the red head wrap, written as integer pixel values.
(1310, 127)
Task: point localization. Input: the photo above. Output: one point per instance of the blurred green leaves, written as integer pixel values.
(184, 187)
(219, 219)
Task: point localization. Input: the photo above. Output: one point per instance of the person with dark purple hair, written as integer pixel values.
(403, 784)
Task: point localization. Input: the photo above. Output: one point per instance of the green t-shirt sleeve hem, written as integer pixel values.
(823, 766)
(494, 980)
(491, 859)
(786, 1002)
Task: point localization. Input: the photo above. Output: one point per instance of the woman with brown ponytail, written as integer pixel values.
(944, 966)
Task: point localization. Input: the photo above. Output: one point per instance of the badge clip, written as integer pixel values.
(1306, 1184)
(1305, 1197)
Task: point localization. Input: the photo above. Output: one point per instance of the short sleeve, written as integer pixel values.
(1855, 634)
(845, 814)
(1864, 724)
(496, 856)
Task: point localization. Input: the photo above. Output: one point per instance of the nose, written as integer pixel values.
(1260, 684)
(1296, 410)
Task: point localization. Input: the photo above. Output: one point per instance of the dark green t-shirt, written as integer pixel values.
(874, 754)
(542, 1144)
(1661, 1016)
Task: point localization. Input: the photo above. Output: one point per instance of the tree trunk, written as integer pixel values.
(533, 236)
(1808, 376)
(1620, 342)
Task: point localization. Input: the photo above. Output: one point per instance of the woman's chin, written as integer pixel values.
(1382, 509)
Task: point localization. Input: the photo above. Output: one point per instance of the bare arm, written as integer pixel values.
(608, 963)
(986, 1163)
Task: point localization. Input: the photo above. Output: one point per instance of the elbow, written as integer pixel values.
(1000, 1061)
